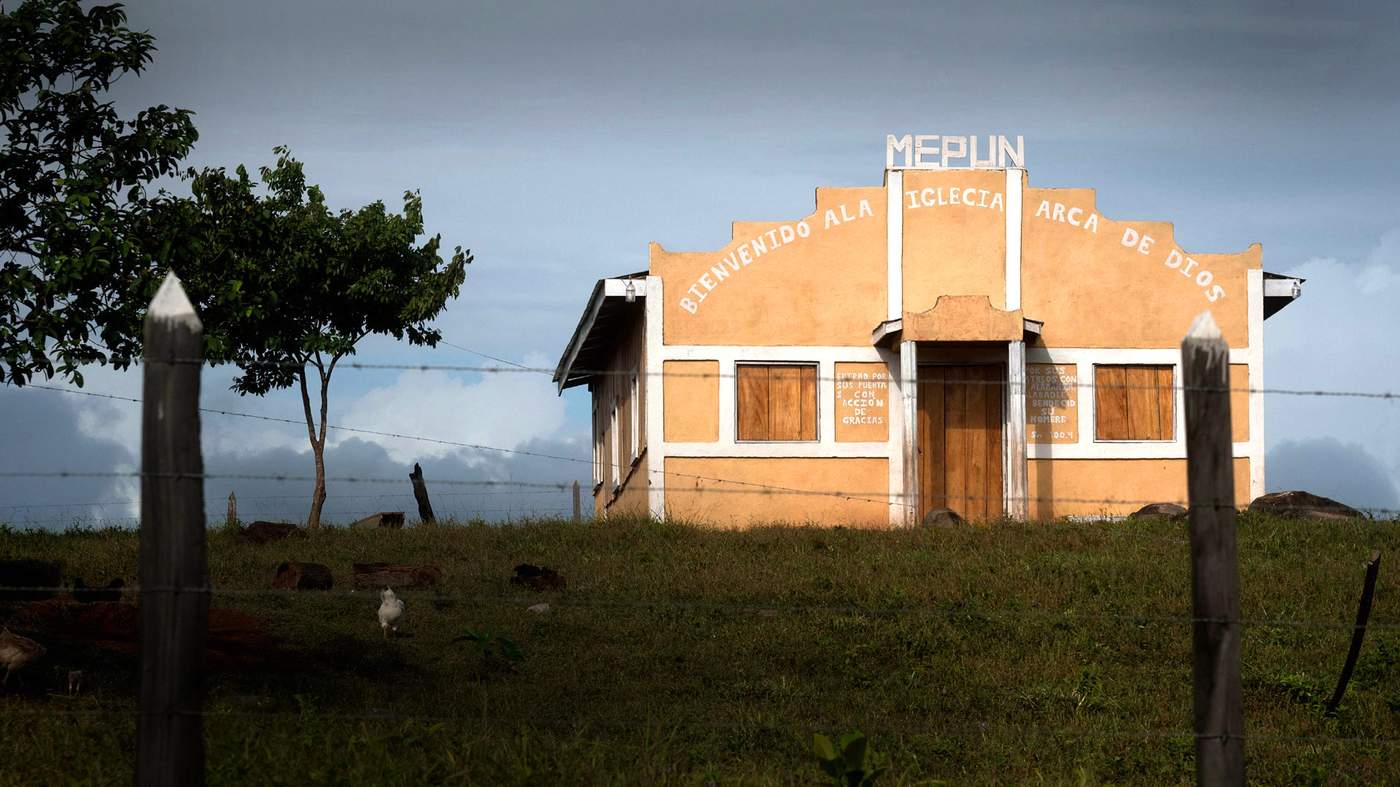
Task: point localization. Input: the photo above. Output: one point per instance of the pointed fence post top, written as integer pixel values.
(1204, 327)
(172, 305)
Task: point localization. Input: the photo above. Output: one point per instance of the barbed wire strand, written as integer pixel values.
(883, 498)
(535, 720)
(851, 378)
(952, 610)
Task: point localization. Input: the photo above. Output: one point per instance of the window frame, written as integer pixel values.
(597, 447)
(634, 393)
(615, 441)
(816, 405)
(1172, 389)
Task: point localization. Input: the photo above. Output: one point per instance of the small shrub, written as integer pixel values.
(852, 765)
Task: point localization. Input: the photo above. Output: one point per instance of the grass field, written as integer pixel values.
(1011, 653)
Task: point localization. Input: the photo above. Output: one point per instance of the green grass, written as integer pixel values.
(681, 655)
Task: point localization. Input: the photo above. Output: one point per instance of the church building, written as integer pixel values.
(954, 338)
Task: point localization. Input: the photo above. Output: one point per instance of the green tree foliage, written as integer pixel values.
(286, 287)
(73, 179)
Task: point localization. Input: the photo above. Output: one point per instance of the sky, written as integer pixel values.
(555, 140)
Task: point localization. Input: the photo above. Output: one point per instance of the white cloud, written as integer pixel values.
(1340, 335)
(504, 410)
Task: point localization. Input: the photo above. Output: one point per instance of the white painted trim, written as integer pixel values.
(774, 352)
(1257, 287)
(894, 244)
(781, 450)
(655, 388)
(885, 330)
(894, 447)
(1125, 449)
(1064, 355)
(1013, 239)
(1014, 472)
(730, 356)
(825, 387)
(634, 413)
(1088, 446)
(604, 289)
(909, 390)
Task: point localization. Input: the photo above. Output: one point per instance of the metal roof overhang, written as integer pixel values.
(1279, 291)
(889, 332)
(610, 303)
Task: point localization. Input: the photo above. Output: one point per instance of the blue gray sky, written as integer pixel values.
(556, 139)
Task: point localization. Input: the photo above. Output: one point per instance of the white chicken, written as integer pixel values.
(390, 610)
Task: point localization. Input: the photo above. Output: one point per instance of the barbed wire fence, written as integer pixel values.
(174, 710)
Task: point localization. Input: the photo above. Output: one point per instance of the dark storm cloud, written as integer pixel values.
(1331, 468)
(40, 433)
(355, 458)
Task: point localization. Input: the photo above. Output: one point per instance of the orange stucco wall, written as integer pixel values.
(691, 408)
(1091, 290)
(1079, 484)
(689, 496)
(1239, 402)
(1094, 282)
(827, 288)
(952, 247)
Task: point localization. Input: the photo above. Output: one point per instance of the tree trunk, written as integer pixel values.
(317, 436)
(318, 495)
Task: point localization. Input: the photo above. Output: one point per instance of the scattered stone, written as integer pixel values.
(264, 532)
(1159, 511)
(1303, 505)
(302, 576)
(942, 516)
(538, 578)
(538, 609)
(392, 519)
(390, 575)
(85, 595)
(28, 573)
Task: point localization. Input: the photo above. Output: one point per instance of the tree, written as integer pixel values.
(287, 288)
(73, 185)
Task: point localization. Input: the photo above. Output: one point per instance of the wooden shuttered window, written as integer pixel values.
(1134, 402)
(777, 402)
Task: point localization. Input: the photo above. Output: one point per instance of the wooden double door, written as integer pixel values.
(960, 439)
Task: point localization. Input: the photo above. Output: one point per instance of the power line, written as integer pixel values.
(521, 369)
(482, 354)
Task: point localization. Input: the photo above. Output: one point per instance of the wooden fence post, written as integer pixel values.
(231, 518)
(578, 507)
(420, 493)
(1215, 599)
(1363, 614)
(173, 571)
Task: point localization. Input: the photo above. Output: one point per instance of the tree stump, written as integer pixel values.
(29, 574)
(302, 576)
(390, 575)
